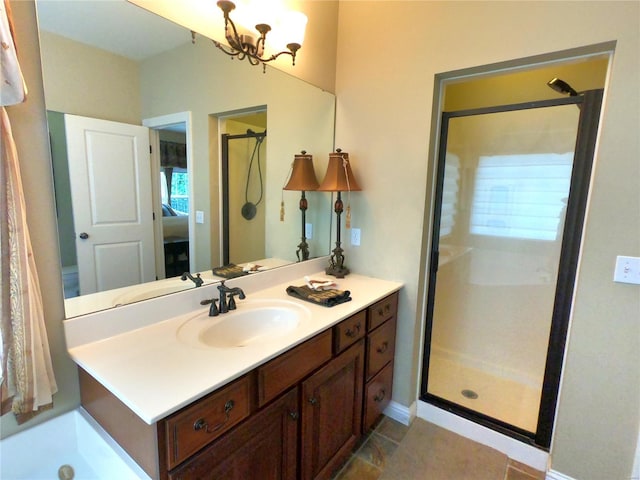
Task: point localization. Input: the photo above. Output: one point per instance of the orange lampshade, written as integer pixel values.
(303, 178)
(339, 177)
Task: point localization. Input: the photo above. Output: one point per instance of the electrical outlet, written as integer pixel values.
(355, 237)
(627, 270)
(308, 230)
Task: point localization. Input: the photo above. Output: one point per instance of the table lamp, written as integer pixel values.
(339, 178)
(302, 179)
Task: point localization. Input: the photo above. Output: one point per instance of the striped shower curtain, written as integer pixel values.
(27, 380)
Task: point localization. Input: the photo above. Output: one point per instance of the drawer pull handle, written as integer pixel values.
(201, 423)
(383, 348)
(380, 396)
(386, 308)
(294, 415)
(313, 400)
(352, 333)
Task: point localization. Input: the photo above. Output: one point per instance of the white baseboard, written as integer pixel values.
(514, 449)
(400, 413)
(553, 475)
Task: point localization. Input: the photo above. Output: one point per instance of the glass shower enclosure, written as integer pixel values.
(511, 188)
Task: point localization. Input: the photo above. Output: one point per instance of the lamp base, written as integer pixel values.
(303, 250)
(336, 266)
(337, 271)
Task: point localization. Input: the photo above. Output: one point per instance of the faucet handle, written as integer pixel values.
(232, 301)
(213, 309)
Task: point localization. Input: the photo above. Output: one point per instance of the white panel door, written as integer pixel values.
(110, 174)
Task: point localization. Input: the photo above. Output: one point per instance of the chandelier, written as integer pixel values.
(248, 46)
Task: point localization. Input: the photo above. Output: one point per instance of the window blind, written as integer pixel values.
(521, 196)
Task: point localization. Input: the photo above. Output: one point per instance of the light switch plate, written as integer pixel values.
(355, 237)
(308, 230)
(627, 270)
(199, 216)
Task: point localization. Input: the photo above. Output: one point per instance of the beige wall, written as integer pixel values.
(385, 102)
(87, 81)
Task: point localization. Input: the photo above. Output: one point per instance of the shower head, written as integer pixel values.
(259, 135)
(563, 87)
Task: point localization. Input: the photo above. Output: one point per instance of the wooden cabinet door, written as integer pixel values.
(264, 447)
(331, 413)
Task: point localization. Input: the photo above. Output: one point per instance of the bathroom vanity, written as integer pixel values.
(289, 407)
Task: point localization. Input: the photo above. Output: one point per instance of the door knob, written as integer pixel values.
(84, 235)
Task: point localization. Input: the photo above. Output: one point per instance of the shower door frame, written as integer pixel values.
(589, 103)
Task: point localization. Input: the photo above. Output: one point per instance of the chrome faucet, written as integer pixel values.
(197, 280)
(225, 305)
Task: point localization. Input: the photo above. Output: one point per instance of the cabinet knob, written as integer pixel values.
(294, 415)
(383, 348)
(202, 424)
(380, 396)
(313, 400)
(353, 332)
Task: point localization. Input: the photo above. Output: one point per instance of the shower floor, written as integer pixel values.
(500, 398)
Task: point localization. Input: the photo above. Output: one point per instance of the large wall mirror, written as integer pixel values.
(108, 66)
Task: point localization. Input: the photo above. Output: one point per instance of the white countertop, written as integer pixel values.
(155, 374)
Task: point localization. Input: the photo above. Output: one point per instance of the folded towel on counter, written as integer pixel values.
(229, 271)
(320, 284)
(326, 298)
(253, 268)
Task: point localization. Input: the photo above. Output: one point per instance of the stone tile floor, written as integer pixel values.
(393, 451)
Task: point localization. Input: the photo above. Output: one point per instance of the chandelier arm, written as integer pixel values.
(276, 55)
(232, 53)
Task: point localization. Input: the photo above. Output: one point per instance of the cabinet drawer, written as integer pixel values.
(284, 371)
(377, 396)
(349, 331)
(194, 427)
(382, 311)
(265, 447)
(380, 347)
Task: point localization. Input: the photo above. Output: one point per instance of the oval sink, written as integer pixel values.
(253, 321)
